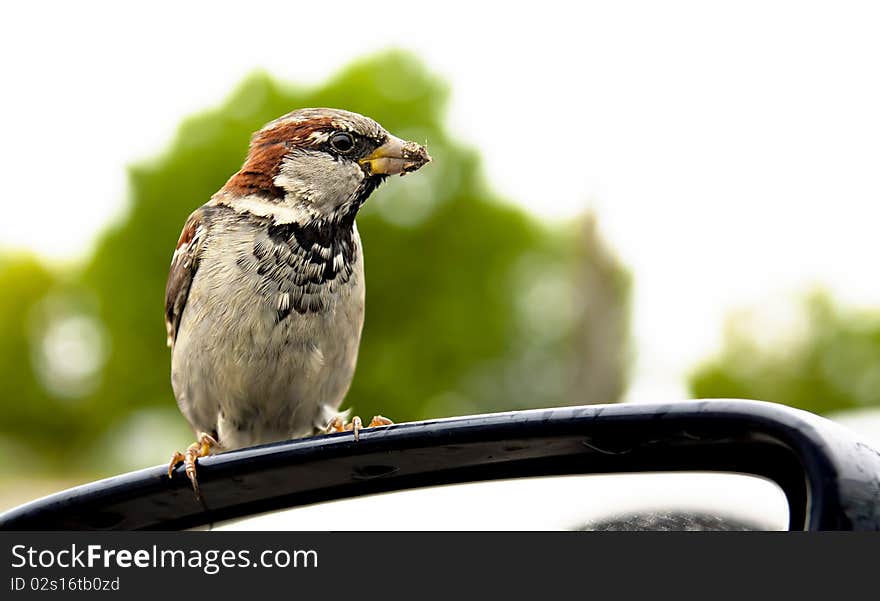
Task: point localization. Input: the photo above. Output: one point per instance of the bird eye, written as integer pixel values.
(341, 142)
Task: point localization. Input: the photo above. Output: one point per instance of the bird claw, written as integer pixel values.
(356, 425)
(201, 448)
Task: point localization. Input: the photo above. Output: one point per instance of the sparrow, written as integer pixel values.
(264, 304)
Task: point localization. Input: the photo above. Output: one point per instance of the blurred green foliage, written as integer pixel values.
(827, 359)
(472, 305)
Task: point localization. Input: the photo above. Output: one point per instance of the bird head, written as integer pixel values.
(322, 162)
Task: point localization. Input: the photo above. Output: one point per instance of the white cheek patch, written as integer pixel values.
(319, 180)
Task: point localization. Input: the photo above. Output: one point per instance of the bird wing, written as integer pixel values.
(184, 265)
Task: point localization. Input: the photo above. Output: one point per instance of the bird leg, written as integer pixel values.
(356, 425)
(201, 448)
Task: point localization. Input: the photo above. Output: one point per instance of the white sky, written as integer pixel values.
(730, 149)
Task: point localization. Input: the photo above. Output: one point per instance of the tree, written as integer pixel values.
(826, 360)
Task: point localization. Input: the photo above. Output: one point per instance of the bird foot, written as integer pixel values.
(201, 448)
(337, 424)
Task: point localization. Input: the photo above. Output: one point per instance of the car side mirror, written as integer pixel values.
(829, 479)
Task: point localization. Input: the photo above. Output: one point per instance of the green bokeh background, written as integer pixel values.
(827, 361)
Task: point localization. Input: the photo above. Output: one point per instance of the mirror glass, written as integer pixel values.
(641, 501)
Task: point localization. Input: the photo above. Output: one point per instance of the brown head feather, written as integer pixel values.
(267, 150)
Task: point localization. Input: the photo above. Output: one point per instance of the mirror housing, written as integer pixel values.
(831, 479)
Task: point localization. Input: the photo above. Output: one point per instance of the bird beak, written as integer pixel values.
(396, 156)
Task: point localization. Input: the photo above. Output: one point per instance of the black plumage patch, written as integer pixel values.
(279, 233)
(280, 314)
(304, 264)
